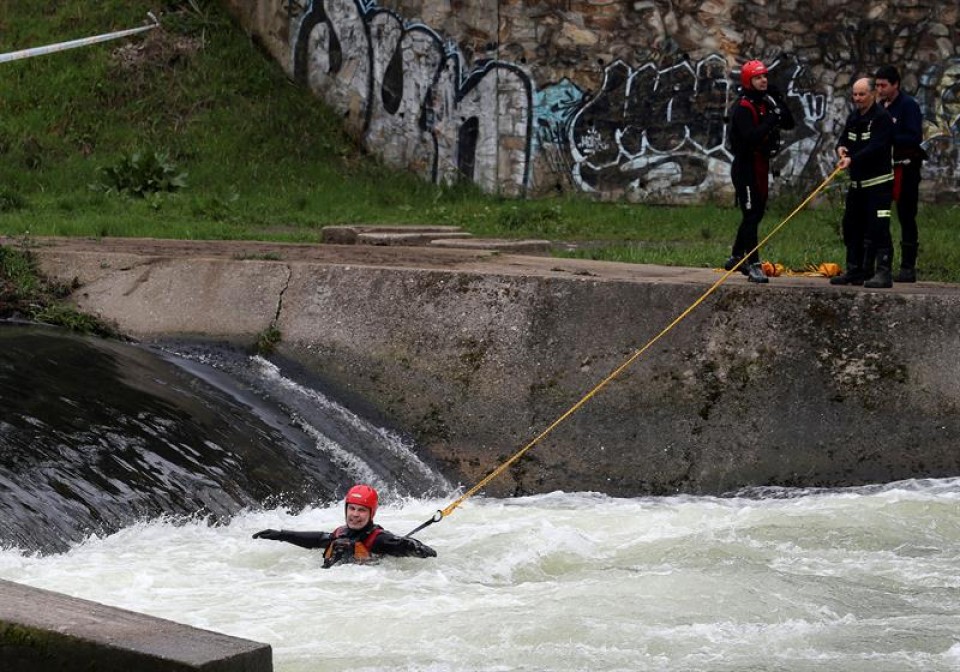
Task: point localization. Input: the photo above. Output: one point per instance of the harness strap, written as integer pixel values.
(745, 102)
(361, 548)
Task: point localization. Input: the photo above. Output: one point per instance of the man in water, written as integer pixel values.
(360, 540)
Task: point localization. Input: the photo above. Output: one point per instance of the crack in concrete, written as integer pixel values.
(286, 286)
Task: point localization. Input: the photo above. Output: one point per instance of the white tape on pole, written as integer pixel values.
(73, 44)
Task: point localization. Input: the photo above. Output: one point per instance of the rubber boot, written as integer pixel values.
(755, 274)
(856, 271)
(882, 279)
(852, 275)
(869, 259)
(732, 261)
(908, 263)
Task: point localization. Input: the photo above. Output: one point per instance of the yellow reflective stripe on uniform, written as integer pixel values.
(874, 181)
(883, 214)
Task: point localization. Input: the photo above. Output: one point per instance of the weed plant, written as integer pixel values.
(25, 294)
(240, 152)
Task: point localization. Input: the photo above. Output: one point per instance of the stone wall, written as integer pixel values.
(621, 99)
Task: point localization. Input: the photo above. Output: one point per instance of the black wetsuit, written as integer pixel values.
(339, 545)
(754, 133)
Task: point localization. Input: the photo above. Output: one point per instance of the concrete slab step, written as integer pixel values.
(348, 234)
(410, 239)
(527, 246)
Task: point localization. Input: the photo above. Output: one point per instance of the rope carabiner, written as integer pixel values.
(437, 517)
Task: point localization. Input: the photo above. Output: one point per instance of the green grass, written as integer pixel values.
(25, 294)
(264, 160)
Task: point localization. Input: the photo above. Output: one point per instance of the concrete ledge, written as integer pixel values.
(42, 630)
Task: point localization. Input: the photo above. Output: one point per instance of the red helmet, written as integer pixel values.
(362, 495)
(750, 70)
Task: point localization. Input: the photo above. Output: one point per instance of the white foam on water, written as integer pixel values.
(853, 580)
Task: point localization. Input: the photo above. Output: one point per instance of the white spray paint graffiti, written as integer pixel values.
(939, 98)
(408, 94)
(653, 133)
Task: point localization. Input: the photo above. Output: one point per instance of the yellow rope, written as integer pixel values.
(616, 372)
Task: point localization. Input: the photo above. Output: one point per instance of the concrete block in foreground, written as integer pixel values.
(41, 631)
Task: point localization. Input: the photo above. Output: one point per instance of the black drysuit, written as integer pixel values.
(755, 122)
(341, 544)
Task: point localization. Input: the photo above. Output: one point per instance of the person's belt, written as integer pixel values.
(871, 181)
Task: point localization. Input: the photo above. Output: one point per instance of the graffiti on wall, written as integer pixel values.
(939, 98)
(654, 131)
(408, 93)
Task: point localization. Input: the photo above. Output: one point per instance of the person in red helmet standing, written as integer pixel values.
(754, 131)
(360, 540)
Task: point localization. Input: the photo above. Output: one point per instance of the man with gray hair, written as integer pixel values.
(865, 148)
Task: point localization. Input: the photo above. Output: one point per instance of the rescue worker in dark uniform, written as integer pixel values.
(755, 122)
(360, 540)
(865, 149)
(908, 156)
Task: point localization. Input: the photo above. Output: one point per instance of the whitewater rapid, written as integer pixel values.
(861, 579)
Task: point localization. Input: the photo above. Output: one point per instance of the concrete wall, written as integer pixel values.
(43, 631)
(614, 98)
(796, 383)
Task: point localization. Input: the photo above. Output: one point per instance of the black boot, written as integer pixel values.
(882, 279)
(755, 274)
(852, 276)
(869, 259)
(732, 261)
(855, 272)
(908, 263)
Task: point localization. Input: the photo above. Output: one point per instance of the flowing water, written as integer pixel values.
(865, 579)
(766, 580)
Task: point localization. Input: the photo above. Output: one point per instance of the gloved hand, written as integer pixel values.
(275, 535)
(422, 550)
(341, 550)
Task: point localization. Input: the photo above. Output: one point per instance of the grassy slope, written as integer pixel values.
(265, 160)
